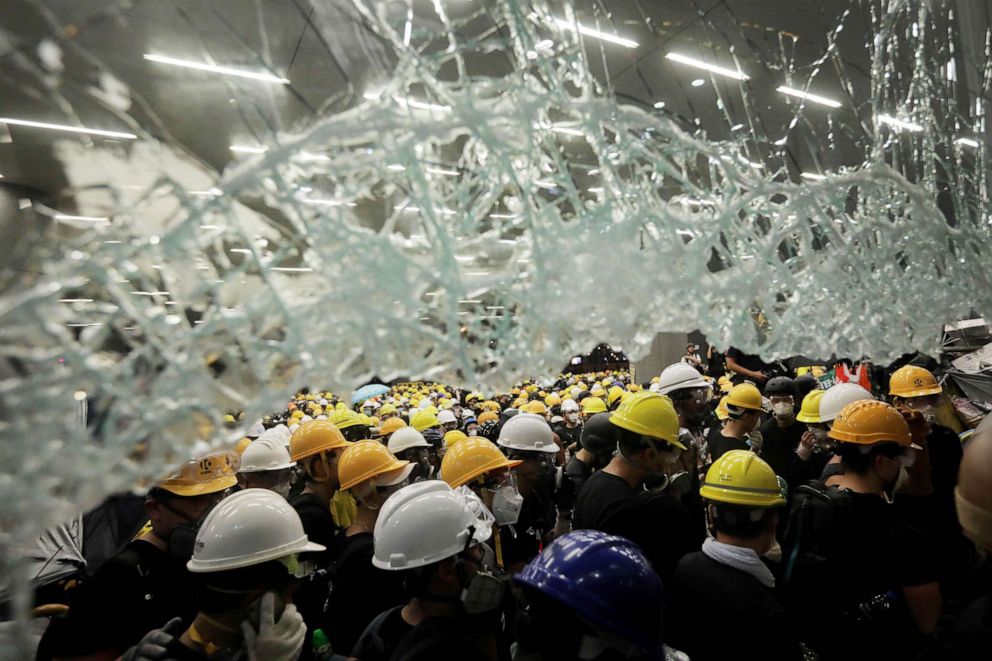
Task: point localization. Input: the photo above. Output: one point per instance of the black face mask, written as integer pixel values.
(182, 539)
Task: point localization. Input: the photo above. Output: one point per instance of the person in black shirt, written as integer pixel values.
(370, 472)
(746, 366)
(570, 429)
(744, 414)
(727, 582)
(781, 434)
(611, 500)
(864, 580)
(146, 585)
(599, 442)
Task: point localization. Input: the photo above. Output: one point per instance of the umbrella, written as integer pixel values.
(368, 392)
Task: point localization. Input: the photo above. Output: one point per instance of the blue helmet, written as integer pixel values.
(606, 581)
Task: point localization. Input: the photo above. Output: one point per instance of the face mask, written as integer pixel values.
(572, 417)
(182, 540)
(929, 413)
(483, 594)
(472, 431)
(782, 410)
(507, 503)
(282, 489)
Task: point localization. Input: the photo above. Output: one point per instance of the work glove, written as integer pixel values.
(153, 646)
(280, 640)
(755, 441)
(806, 445)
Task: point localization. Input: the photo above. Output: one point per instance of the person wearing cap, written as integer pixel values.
(815, 449)
(409, 444)
(351, 425)
(446, 574)
(147, 584)
(614, 500)
(371, 473)
(739, 431)
(570, 429)
(597, 445)
(590, 595)
(448, 420)
(727, 582)
(864, 579)
(389, 426)
(250, 553)
(782, 433)
(265, 464)
(316, 447)
(528, 438)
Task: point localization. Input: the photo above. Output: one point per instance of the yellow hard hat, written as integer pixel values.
(532, 388)
(313, 437)
(367, 459)
(649, 414)
(242, 445)
(535, 406)
(487, 416)
(745, 396)
(723, 414)
(296, 415)
(466, 460)
(391, 425)
(592, 405)
(552, 400)
(422, 420)
(491, 405)
(344, 418)
(655, 379)
(210, 473)
(454, 436)
(913, 381)
(615, 393)
(581, 385)
(430, 409)
(740, 477)
(810, 410)
(386, 409)
(869, 422)
(598, 392)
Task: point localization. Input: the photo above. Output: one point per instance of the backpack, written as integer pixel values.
(815, 509)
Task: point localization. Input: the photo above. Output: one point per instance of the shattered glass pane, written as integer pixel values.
(459, 191)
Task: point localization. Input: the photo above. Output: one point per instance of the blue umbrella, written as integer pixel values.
(368, 392)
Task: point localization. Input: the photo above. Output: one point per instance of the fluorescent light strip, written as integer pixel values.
(899, 124)
(243, 251)
(244, 149)
(113, 242)
(705, 66)
(967, 142)
(567, 130)
(92, 219)
(291, 269)
(150, 293)
(509, 242)
(812, 176)
(420, 105)
(75, 300)
(395, 167)
(503, 215)
(445, 172)
(596, 34)
(226, 71)
(211, 227)
(806, 96)
(658, 105)
(81, 325)
(470, 301)
(307, 157)
(213, 192)
(326, 202)
(68, 129)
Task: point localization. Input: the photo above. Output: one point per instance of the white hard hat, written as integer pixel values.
(399, 537)
(424, 403)
(283, 432)
(267, 453)
(555, 419)
(575, 390)
(837, 397)
(569, 406)
(405, 438)
(306, 418)
(445, 416)
(527, 431)
(256, 430)
(248, 528)
(680, 376)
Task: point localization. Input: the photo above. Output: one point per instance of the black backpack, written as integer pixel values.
(815, 509)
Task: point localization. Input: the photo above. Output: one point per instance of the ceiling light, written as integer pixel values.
(226, 71)
(495, 307)
(113, 242)
(150, 293)
(550, 185)
(967, 142)
(470, 301)
(567, 130)
(590, 32)
(509, 242)
(503, 215)
(544, 44)
(407, 209)
(213, 192)
(464, 258)
(83, 325)
(68, 129)
(812, 176)
(444, 171)
(92, 219)
(75, 300)
(420, 105)
(395, 168)
(327, 202)
(658, 105)
(815, 98)
(211, 227)
(706, 66)
(899, 124)
(698, 82)
(306, 156)
(242, 251)
(245, 149)
(291, 269)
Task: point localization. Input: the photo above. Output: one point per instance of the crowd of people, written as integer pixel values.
(691, 516)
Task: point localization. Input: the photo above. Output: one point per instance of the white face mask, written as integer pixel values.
(572, 417)
(507, 503)
(782, 410)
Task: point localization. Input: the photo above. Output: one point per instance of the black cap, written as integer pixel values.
(598, 435)
(781, 386)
